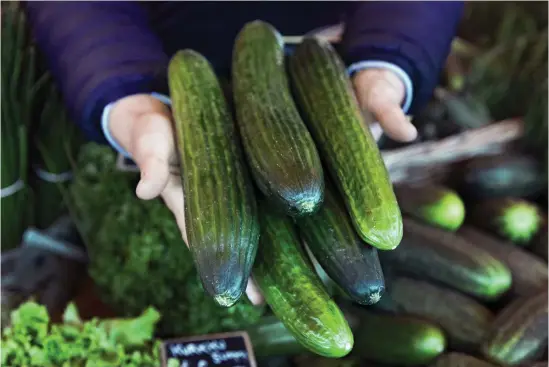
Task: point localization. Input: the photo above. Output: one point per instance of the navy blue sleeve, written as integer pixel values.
(98, 52)
(414, 35)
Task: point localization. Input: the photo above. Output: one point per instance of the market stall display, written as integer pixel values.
(367, 254)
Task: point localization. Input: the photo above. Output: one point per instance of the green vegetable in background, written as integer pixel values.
(137, 255)
(31, 340)
(511, 218)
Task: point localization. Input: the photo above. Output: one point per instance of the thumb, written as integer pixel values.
(152, 147)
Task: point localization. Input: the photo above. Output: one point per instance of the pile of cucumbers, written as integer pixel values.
(289, 176)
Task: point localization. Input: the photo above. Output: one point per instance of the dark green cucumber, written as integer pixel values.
(270, 337)
(455, 359)
(220, 208)
(446, 257)
(511, 174)
(465, 320)
(529, 272)
(349, 262)
(432, 204)
(514, 219)
(519, 333)
(345, 142)
(295, 293)
(280, 150)
(398, 340)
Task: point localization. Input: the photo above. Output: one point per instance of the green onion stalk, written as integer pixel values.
(19, 88)
(57, 140)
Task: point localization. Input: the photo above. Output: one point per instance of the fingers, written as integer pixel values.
(393, 121)
(152, 147)
(253, 293)
(380, 93)
(175, 201)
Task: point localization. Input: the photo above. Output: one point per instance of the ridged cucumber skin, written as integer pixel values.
(511, 218)
(398, 340)
(519, 332)
(528, 271)
(464, 320)
(432, 204)
(332, 113)
(294, 292)
(455, 359)
(282, 155)
(221, 217)
(443, 256)
(353, 265)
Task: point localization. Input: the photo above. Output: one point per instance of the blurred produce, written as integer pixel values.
(454, 359)
(514, 219)
(32, 341)
(529, 272)
(19, 90)
(432, 204)
(397, 340)
(519, 333)
(137, 255)
(511, 174)
(445, 257)
(57, 140)
(463, 319)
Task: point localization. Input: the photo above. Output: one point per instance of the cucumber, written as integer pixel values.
(332, 113)
(529, 272)
(519, 333)
(348, 261)
(465, 320)
(510, 174)
(448, 258)
(270, 337)
(432, 204)
(220, 209)
(514, 219)
(280, 150)
(455, 359)
(294, 292)
(398, 340)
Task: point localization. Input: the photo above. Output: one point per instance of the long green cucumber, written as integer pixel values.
(529, 272)
(519, 332)
(220, 209)
(282, 155)
(398, 340)
(511, 218)
(294, 292)
(270, 337)
(332, 113)
(432, 204)
(465, 320)
(446, 257)
(349, 262)
(455, 359)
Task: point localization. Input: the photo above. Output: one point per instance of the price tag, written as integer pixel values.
(220, 350)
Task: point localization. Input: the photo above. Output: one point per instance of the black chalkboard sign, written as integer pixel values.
(219, 350)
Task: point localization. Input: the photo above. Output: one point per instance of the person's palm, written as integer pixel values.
(142, 125)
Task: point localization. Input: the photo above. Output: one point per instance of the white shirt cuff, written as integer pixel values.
(105, 123)
(409, 90)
